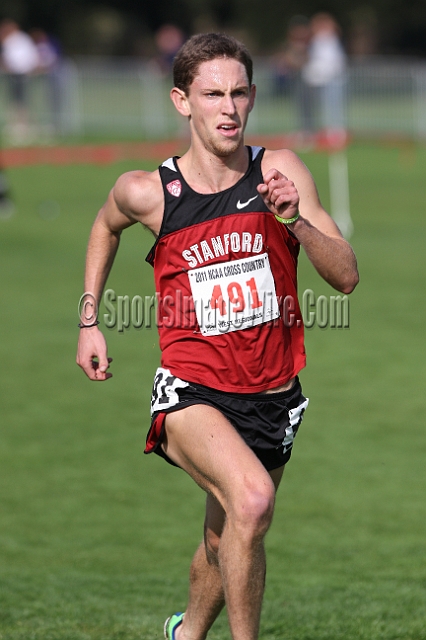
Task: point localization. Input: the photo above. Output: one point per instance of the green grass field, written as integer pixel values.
(96, 538)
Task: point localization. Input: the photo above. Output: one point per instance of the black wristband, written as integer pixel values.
(87, 326)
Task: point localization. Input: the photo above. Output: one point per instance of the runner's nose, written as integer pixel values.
(228, 105)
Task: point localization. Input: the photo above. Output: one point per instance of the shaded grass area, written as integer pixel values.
(96, 539)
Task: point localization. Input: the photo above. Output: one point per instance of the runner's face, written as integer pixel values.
(219, 102)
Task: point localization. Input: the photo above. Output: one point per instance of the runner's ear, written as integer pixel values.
(180, 101)
(252, 96)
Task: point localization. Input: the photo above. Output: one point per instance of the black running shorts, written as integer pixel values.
(267, 422)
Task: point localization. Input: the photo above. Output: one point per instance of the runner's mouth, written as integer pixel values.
(228, 129)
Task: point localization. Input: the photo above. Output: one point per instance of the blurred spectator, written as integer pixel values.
(323, 77)
(19, 58)
(289, 61)
(50, 65)
(168, 40)
(48, 51)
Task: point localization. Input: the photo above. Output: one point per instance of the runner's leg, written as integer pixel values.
(202, 441)
(206, 598)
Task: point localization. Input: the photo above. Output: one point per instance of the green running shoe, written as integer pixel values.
(171, 625)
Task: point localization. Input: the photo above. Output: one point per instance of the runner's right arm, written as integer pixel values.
(136, 197)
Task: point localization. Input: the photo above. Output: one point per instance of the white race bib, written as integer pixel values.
(235, 295)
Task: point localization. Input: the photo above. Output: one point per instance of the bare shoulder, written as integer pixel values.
(288, 163)
(139, 195)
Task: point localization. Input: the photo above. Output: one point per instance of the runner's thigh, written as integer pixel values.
(204, 443)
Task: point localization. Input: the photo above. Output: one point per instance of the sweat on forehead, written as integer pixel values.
(203, 48)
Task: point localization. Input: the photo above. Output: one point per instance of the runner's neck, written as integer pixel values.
(208, 173)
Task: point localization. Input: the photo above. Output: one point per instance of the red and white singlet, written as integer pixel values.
(225, 276)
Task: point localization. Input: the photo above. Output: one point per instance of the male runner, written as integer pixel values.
(228, 221)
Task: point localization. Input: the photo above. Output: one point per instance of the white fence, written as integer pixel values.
(127, 98)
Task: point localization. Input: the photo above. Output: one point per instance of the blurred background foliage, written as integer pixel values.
(128, 27)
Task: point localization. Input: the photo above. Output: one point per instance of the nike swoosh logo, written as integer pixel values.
(241, 205)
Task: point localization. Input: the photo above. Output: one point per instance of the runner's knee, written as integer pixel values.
(252, 513)
(249, 520)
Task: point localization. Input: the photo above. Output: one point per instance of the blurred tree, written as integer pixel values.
(393, 26)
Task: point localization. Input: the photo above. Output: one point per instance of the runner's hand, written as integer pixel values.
(92, 354)
(279, 194)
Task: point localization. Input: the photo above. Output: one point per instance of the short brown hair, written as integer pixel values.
(202, 48)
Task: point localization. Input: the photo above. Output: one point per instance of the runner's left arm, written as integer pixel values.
(288, 187)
